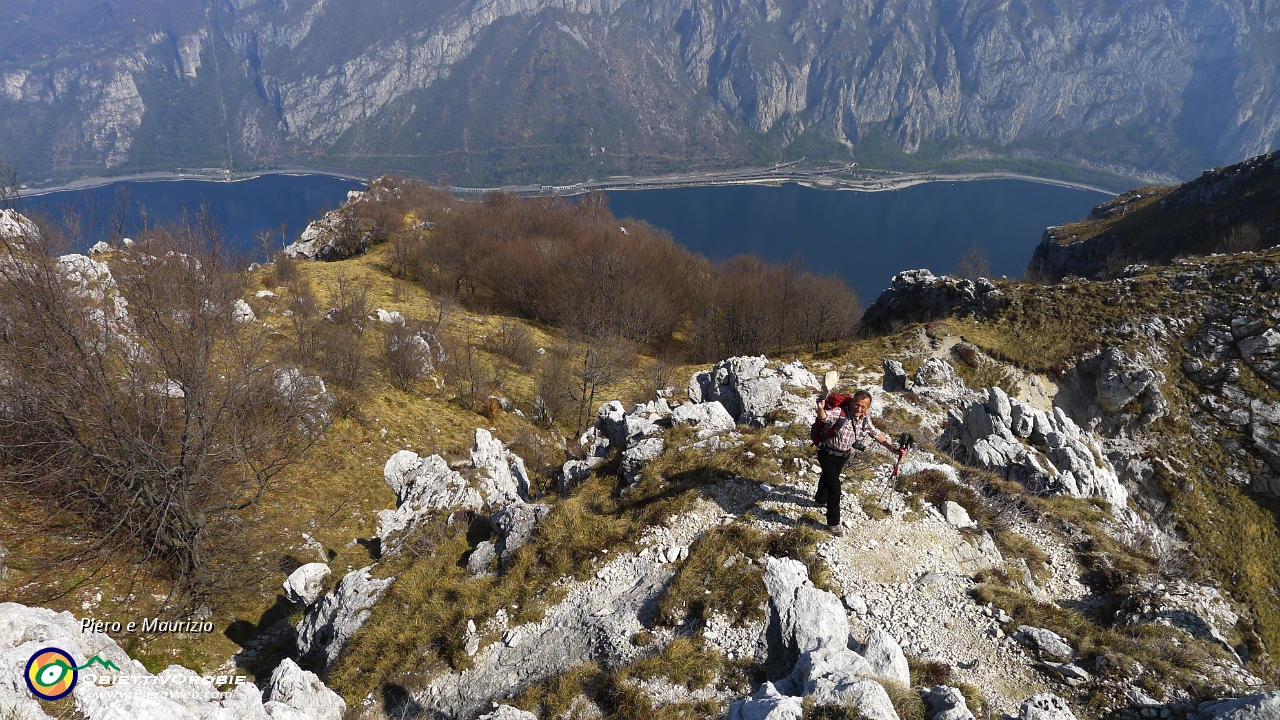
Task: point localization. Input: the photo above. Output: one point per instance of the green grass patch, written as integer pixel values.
(980, 372)
(905, 700)
(586, 688)
(723, 573)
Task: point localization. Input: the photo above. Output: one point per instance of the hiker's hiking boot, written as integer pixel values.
(835, 530)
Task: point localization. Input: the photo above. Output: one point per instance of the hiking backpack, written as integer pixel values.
(819, 432)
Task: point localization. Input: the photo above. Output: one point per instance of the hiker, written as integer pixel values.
(845, 427)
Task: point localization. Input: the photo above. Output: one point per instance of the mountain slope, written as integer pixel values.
(509, 90)
(1225, 210)
(1090, 510)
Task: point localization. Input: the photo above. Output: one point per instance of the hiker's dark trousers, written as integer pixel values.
(829, 483)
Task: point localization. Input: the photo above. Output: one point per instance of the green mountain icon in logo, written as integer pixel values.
(97, 660)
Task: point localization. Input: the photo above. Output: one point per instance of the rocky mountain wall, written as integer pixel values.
(626, 83)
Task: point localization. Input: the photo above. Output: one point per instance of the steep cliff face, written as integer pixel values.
(1153, 86)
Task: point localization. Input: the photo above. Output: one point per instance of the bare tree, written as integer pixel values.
(662, 373)
(406, 355)
(1242, 238)
(594, 205)
(974, 263)
(826, 310)
(342, 357)
(465, 369)
(304, 316)
(135, 401)
(595, 365)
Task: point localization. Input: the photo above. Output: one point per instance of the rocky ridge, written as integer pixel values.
(894, 586)
(912, 571)
(901, 585)
(1153, 225)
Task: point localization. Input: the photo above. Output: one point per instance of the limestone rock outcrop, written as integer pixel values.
(515, 525)
(502, 476)
(946, 703)
(422, 486)
(804, 618)
(809, 654)
(335, 236)
(1046, 452)
(305, 585)
(176, 693)
(917, 296)
(1045, 706)
(595, 623)
(300, 690)
(885, 659)
(323, 633)
(707, 418)
(746, 387)
(1046, 643)
(1261, 706)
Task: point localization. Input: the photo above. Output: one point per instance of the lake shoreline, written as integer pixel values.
(171, 176)
(817, 179)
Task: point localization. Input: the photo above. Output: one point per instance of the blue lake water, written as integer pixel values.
(242, 208)
(864, 237)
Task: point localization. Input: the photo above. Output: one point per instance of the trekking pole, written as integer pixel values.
(905, 442)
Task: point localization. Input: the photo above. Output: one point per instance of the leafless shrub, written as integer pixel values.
(381, 221)
(403, 246)
(512, 341)
(304, 317)
(351, 235)
(342, 358)
(974, 263)
(662, 373)
(405, 355)
(575, 373)
(466, 371)
(826, 310)
(572, 265)
(157, 421)
(349, 301)
(1242, 238)
(285, 271)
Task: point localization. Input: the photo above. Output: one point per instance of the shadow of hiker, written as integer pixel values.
(265, 643)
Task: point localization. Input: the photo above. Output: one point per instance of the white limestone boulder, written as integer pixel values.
(805, 617)
(500, 473)
(706, 418)
(1045, 706)
(422, 486)
(946, 703)
(328, 626)
(305, 585)
(767, 704)
(303, 692)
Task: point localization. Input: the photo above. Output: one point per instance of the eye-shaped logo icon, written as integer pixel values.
(51, 674)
